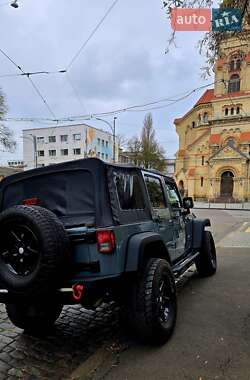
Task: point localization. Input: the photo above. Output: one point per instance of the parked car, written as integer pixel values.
(86, 232)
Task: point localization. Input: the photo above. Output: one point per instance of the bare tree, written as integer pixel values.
(6, 135)
(146, 151)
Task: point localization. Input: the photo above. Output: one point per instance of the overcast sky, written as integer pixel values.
(123, 64)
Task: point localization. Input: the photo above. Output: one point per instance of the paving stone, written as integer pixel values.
(78, 332)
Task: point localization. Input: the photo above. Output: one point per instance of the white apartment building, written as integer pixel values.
(51, 145)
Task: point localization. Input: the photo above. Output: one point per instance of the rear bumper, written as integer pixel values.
(63, 295)
(85, 292)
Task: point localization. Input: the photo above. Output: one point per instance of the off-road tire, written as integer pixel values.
(53, 245)
(35, 319)
(144, 310)
(206, 262)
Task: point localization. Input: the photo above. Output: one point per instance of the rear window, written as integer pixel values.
(129, 191)
(69, 194)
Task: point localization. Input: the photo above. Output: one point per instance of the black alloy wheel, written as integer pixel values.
(19, 250)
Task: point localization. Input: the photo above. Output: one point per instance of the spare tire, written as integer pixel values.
(34, 249)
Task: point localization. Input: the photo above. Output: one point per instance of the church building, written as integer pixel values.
(213, 160)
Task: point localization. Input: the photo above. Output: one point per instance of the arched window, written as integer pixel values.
(232, 111)
(234, 83)
(226, 111)
(235, 63)
(238, 110)
(205, 117)
(231, 142)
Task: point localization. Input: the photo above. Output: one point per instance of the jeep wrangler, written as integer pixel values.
(89, 232)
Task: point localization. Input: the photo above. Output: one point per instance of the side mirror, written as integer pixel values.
(188, 203)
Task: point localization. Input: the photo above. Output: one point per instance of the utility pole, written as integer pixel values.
(86, 142)
(114, 138)
(35, 149)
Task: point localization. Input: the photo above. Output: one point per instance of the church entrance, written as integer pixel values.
(227, 185)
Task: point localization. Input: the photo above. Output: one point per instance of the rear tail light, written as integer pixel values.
(31, 202)
(106, 241)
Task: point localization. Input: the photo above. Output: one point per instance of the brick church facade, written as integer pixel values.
(213, 160)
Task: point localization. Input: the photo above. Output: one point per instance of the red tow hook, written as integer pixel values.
(78, 291)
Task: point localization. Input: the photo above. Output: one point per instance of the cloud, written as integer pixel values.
(123, 64)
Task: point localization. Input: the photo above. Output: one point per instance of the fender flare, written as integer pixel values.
(197, 231)
(136, 249)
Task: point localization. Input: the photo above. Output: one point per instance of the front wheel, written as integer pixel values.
(34, 318)
(206, 262)
(153, 304)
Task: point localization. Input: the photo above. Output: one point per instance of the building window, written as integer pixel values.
(52, 152)
(235, 64)
(98, 141)
(107, 156)
(107, 144)
(238, 110)
(102, 155)
(102, 142)
(52, 139)
(226, 111)
(231, 142)
(64, 152)
(202, 181)
(99, 154)
(64, 138)
(77, 151)
(40, 140)
(234, 83)
(205, 117)
(202, 160)
(77, 136)
(193, 124)
(40, 153)
(232, 111)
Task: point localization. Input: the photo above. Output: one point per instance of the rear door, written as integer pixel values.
(179, 221)
(160, 211)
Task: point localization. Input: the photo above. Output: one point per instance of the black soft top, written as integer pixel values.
(80, 192)
(76, 191)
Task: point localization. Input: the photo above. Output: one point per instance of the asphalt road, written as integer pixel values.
(212, 336)
(211, 341)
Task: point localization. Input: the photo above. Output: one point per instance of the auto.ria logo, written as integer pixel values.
(229, 19)
(206, 19)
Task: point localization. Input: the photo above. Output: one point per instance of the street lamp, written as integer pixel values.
(33, 139)
(113, 129)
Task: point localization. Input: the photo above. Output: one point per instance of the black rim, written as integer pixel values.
(165, 302)
(20, 253)
(212, 254)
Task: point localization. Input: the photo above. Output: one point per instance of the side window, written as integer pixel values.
(129, 191)
(155, 192)
(173, 195)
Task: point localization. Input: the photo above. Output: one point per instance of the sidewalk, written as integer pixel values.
(228, 206)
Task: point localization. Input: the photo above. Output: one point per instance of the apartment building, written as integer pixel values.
(47, 146)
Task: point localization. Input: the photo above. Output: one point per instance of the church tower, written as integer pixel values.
(214, 136)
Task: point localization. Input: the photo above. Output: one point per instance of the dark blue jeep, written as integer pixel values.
(86, 232)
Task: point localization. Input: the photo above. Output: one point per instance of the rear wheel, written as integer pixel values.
(34, 318)
(153, 304)
(206, 262)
